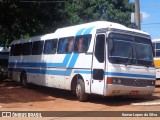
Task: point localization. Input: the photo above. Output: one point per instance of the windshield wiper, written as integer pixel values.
(130, 57)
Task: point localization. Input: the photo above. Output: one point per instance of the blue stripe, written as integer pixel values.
(68, 72)
(82, 72)
(80, 31)
(88, 30)
(71, 64)
(50, 72)
(118, 74)
(44, 64)
(129, 75)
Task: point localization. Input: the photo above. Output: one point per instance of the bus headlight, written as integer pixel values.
(111, 80)
(114, 81)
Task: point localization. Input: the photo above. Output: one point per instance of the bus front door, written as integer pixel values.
(98, 65)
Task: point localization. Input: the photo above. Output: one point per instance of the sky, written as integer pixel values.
(151, 17)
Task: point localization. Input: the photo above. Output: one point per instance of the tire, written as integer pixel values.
(23, 80)
(80, 91)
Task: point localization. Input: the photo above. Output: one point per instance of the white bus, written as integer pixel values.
(100, 57)
(156, 47)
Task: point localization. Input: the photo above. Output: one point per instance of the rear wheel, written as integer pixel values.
(23, 79)
(80, 91)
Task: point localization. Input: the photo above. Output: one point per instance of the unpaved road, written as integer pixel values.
(13, 97)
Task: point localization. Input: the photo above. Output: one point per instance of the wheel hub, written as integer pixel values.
(78, 90)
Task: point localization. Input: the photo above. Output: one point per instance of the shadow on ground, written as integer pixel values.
(11, 92)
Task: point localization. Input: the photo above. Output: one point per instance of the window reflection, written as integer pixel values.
(125, 49)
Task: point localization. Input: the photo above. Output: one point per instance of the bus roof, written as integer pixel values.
(97, 25)
(34, 38)
(73, 30)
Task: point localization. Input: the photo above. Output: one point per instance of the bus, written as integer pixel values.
(156, 47)
(4, 55)
(100, 57)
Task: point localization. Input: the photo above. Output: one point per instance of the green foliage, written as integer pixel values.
(92, 10)
(23, 20)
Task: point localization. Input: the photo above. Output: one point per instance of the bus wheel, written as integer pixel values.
(23, 79)
(80, 91)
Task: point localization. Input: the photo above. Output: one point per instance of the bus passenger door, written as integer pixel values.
(98, 65)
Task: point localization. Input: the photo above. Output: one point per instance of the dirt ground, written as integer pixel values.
(13, 97)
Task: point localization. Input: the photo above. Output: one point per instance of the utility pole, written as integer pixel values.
(137, 14)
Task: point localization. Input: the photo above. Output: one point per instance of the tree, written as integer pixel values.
(21, 20)
(92, 10)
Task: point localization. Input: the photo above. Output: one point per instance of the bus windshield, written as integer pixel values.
(127, 49)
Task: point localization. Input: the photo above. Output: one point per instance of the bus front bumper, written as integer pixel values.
(118, 90)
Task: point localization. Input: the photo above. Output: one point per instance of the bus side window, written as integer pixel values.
(157, 50)
(82, 43)
(27, 48)
(70, 44)
(37, 47)
(99, 48)
(65, 45)
(61, 45)
(50, 46)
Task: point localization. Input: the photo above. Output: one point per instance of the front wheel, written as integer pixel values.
(80, 91)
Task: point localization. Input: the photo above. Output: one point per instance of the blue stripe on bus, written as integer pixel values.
(68, 72)
(71, 64)
(82, 72)
(35, 64)
(50, 72)
(80, 31)
(118, 74)
(88, 30)
(128, 75)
